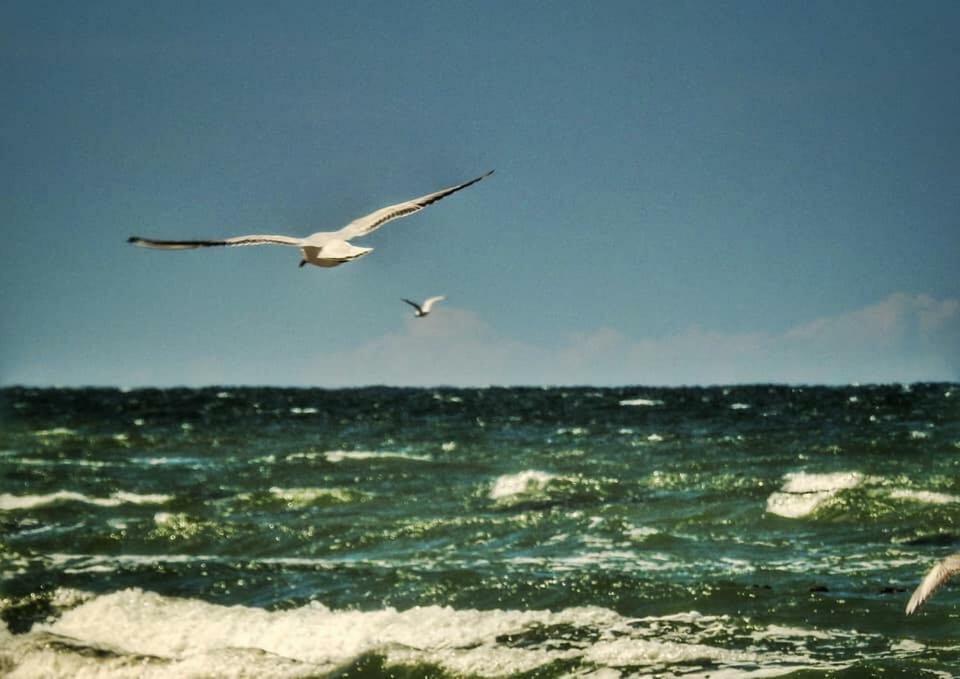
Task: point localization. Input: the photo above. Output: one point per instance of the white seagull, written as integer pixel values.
(424, 309)
(938, 575)
(324, 248)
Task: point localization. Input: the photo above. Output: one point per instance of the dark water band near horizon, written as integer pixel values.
(747, 531)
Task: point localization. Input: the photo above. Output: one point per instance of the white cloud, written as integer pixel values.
(904, 338)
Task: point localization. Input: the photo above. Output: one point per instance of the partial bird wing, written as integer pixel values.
(428, 304)
(413, 304)
(938, 575)
(228, 242)
(374, 220)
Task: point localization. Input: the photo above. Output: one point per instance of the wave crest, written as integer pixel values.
(10, 502)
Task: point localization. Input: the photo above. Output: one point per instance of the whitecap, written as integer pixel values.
(341, 455)
(804, 493)
(804, 482)
(303, 497)
(527, 482)
(303, 411)
(165, 518)
(56, 431)
(740, 406)
(171, 460)
(573, 431)
(303, 456)
(639, 533)
(924, 496)
(649, 402)
(10, 502)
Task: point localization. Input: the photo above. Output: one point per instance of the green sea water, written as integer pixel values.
(724, 532)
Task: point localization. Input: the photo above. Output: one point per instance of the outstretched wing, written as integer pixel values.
(428, 304)
(227, 242)
(413, 304)
(374, 220)
(938, 575)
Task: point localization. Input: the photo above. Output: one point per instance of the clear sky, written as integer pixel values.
(685, 192)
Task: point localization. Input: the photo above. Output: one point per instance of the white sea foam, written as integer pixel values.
(10, 502)
(149, 635)
(165, 518)
(803, 482)
(804, 493)
(640, 533)
(56, 431)
(303, 411)
(740, 406)
(110, 563)
(641, 402)
(303, 497)
(573, 431)
(527, 482)
(924, 496)
(193, 462)
(341, 455)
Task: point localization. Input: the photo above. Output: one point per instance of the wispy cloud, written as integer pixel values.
(903, 338)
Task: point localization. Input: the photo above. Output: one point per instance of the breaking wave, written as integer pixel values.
(137, 633)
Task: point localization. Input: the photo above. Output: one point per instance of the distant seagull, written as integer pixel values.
(324, 248)
(938, 575)
(424, 309)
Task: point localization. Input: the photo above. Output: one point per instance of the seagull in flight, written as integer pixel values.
(938, 575)
(324, 248)
(422, 310)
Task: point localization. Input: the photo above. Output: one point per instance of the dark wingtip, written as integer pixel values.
(132, 239)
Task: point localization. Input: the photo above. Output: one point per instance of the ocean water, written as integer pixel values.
(704, 532)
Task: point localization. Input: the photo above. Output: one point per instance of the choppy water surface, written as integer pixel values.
(722, 532)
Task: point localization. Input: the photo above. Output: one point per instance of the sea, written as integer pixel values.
(742, 531)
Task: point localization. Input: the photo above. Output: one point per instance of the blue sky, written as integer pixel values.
(689, 192)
